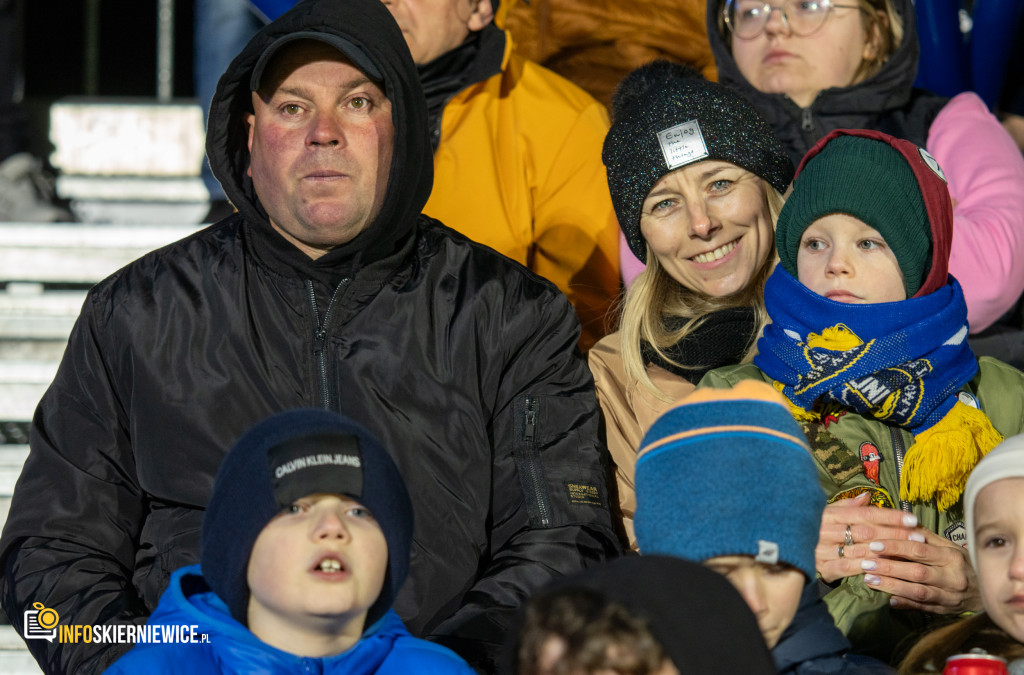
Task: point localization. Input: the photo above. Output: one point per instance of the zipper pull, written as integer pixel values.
(808, 120)
(531, 420)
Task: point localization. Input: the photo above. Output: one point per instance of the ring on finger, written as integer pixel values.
(842, 554)
(848, 536)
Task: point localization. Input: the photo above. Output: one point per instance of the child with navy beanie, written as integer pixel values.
(305, 544)
(725, 478)
(868, 345)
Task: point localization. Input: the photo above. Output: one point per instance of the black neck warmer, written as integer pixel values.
(722, 339)
(476, 59)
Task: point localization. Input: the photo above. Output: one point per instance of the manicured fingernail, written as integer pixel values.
(872, 579)
(916, 537)
(910, 520)
(893, 603)
(876, 546)
(868, 564)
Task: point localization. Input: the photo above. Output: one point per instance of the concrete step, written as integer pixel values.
(22, 384)
(71, 253)
(35, 349)
(28, 312)
(127, 137)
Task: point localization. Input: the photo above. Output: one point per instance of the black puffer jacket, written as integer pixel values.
(460, 359)
(886, 101)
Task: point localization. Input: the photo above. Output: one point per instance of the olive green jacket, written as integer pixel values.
(838, 442)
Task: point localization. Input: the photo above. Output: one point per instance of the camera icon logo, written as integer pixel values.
(40, 623)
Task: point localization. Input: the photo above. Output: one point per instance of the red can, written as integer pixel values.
(975, 664)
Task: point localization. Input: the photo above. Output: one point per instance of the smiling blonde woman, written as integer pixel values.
(696, 178)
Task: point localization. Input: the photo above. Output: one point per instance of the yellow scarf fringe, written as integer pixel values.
(798, 413)
(937, 465)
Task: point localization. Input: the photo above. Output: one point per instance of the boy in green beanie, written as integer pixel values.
(868, 343)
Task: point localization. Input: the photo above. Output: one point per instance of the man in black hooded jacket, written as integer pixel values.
(327, 289)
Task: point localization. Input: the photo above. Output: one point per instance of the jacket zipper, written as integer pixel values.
(899, 451)
(530, 462)
(320, 338)
(530, 428)
(807, 122)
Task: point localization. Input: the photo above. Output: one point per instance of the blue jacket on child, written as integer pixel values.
(386, 647)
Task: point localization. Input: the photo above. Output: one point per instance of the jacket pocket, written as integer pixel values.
(528, 463)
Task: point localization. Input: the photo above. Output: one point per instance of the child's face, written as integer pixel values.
(999, 536)
(772, 591)
(845, 259)
(318, 563)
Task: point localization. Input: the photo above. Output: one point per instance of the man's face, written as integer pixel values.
(318, 566)
(435, 27)
(320, 144)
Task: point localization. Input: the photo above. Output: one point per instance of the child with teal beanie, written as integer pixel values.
(703, 494)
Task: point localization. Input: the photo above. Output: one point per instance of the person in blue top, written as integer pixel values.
(305, 544)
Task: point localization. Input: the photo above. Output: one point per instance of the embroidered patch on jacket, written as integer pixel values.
(767, 552)
(879, 497)
(834, 455)
(831, 416)
(957, 533)
(682, 144)
(870, 458)
(583, 493)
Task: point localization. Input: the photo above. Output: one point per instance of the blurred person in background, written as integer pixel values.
(811, 68)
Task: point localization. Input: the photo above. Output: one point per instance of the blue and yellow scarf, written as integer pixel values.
(901, 362)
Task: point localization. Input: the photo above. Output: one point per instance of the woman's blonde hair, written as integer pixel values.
(883, 28)
(655, 296)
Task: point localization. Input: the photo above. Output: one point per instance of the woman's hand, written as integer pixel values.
(920, 569)
(926, 572)
(837, 555)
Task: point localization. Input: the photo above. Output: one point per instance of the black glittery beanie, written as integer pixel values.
(284, 458)
(665, 116)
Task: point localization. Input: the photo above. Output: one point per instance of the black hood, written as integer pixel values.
(696, 615)
(858, 106)
(370, 27)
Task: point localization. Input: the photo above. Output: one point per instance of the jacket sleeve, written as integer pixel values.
(549, 496)
(985, 172)
(575, 231)
(68, 543)
(619, 426)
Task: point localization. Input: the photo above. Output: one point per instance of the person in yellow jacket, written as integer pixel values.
(517, 153)
(596, 43)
